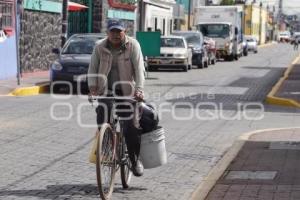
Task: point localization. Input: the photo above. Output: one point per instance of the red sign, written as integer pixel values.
(123, 4)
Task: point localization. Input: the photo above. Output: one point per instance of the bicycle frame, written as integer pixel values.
(119, 157)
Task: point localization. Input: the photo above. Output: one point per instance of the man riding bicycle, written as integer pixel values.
(119, 59)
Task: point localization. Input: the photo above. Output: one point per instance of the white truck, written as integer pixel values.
(224, 25)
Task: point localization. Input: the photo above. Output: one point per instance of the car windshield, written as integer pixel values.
(172, 42)
(80, 45)
(214, 30)
(250, 40)
(191, 38)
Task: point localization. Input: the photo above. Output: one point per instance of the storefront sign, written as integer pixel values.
(120, 14)
(43, 5)
(123, 4)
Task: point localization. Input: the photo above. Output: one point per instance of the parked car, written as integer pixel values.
(195, 41)
(73, 59)
(252, 43)
(211, 50)
(174, 53)
(284, 36)
(245, 46)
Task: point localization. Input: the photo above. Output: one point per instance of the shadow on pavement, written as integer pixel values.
(66, 191)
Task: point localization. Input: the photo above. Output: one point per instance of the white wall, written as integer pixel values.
(160, 14)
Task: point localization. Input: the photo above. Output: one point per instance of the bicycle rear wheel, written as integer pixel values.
(106, 162)
(125, 166)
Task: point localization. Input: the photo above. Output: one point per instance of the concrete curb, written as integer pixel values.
(209, 182)
(272, 99)
(29, 91)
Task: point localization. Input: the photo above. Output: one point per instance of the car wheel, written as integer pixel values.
(54, 88)
(230, 57)
(236, 57)
(190, 67)
(185, 68)
(150, 68)
(206, 64)
(213, 61)
(255, 51)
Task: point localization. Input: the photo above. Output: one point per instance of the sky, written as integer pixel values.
(288, 6)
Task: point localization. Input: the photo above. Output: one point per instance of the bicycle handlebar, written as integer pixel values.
(113, 98)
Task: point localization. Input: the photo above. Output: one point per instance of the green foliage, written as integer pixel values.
(131, 2)
(228, 2)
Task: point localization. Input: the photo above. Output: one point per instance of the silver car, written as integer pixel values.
(174, 53)
(251, 43)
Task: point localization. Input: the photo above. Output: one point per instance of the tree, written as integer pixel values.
(228, 2)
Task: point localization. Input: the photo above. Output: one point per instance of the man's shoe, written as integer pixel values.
(138, 168)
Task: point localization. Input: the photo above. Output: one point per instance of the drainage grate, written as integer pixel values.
(285, 145)
(251, 175)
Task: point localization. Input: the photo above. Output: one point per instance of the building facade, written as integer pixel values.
(156, 15)
(256, 19)
(8, 50)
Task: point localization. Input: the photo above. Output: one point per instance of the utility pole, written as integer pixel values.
(189, 16)
(279, 16)
(273, 24)
(64, 28)
(17, 32)
(260, 22)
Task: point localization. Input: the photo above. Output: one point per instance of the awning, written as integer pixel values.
(72, 6)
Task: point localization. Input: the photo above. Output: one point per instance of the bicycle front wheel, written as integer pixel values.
(125, 165)
(106, 162)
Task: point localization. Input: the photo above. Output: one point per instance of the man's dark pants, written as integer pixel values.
(131, 133)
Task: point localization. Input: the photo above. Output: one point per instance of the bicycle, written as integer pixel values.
(111, 152)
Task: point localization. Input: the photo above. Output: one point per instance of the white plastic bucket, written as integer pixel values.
(153, 149)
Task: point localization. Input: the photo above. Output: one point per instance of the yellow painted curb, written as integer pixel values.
(272, 99)
(29, 91)
(209, 182)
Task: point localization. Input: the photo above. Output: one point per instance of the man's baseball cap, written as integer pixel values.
(115, 24)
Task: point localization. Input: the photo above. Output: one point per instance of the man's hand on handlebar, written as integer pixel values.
(139, 95)
(93, 92)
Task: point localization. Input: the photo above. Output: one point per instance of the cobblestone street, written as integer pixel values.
(42, 158)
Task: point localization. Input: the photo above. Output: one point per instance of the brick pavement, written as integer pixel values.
(276, 152)
(47, 159)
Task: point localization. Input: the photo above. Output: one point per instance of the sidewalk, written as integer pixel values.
(30, 83)
(287, 90)
(266, 168)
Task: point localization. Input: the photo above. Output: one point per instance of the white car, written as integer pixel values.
(174, 53)
(251, 43)
(284, 36)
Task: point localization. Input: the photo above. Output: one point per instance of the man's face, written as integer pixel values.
(116, 36)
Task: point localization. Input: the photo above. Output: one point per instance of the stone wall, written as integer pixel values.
(40, 32)
(97, 16)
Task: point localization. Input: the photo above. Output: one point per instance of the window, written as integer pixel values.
(6, 14)
(172, 42)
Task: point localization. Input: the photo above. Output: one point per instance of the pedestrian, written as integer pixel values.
(296, 43)
(119, 59)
